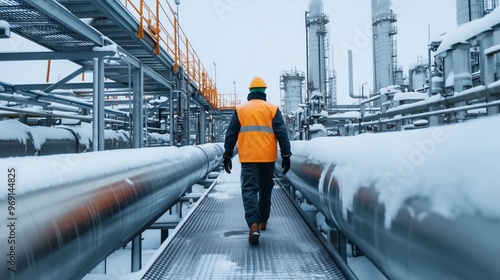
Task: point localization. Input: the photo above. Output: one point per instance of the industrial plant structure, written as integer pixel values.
(102, 200)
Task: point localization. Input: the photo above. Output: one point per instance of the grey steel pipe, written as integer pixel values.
(18, 139)
(74, 210)
(429, 217)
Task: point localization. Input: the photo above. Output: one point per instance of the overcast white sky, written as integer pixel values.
(261, 38)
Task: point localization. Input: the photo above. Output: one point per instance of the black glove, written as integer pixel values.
(285, 164)
(228, 165)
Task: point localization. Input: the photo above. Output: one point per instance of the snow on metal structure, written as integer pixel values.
(18, 139)
(458, 84)
(74, 210)
(408, 200)
(480, 37)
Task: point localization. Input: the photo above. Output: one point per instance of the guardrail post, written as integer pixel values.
(137, 253)
(339, 242)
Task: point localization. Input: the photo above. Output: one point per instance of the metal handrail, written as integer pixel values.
(172, 38)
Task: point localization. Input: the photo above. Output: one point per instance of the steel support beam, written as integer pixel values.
(68, 100)
(84, 85)
(83, 55)
(67, 78)
(147, 71)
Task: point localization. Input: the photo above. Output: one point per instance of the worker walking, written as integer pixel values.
(257, 126)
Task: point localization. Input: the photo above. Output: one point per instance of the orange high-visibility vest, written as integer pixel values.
(256, 139)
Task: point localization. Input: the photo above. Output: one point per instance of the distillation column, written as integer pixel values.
(316, 30)
(384, 45)
(292, 85)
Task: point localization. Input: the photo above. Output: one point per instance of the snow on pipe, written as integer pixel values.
(74, 210)
(420, 204)
(18, 139)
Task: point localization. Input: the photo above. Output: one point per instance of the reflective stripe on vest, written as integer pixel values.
(256, 139)
(256, 128)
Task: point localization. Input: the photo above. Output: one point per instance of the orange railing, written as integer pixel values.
(161, 24)
(228, 101)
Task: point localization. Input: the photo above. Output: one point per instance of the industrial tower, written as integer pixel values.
(291, 83)
(385, 68)
(319, 77)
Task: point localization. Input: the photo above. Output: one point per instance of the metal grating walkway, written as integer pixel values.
(213, 243)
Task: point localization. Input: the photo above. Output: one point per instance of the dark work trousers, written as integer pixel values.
(256, 187)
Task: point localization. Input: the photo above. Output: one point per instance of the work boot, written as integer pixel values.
(262, 226)
(254, 234)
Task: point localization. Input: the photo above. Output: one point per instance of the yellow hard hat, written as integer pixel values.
(257, 82)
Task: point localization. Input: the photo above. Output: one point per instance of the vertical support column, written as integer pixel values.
(138, 115)
(95, 106)
(138, 84)
(217, 130)
(203, 126)
(187, 120)
(137, 253)
(100, 121)
(383, 100)
(434, 120)
(398, 125)
(171, 117)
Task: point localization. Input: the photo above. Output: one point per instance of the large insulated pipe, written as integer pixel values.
(420, 204)
(71, 211)
(18, 139)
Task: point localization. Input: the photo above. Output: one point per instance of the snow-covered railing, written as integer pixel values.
(63, 214)
(421, 204)
(429, 106)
